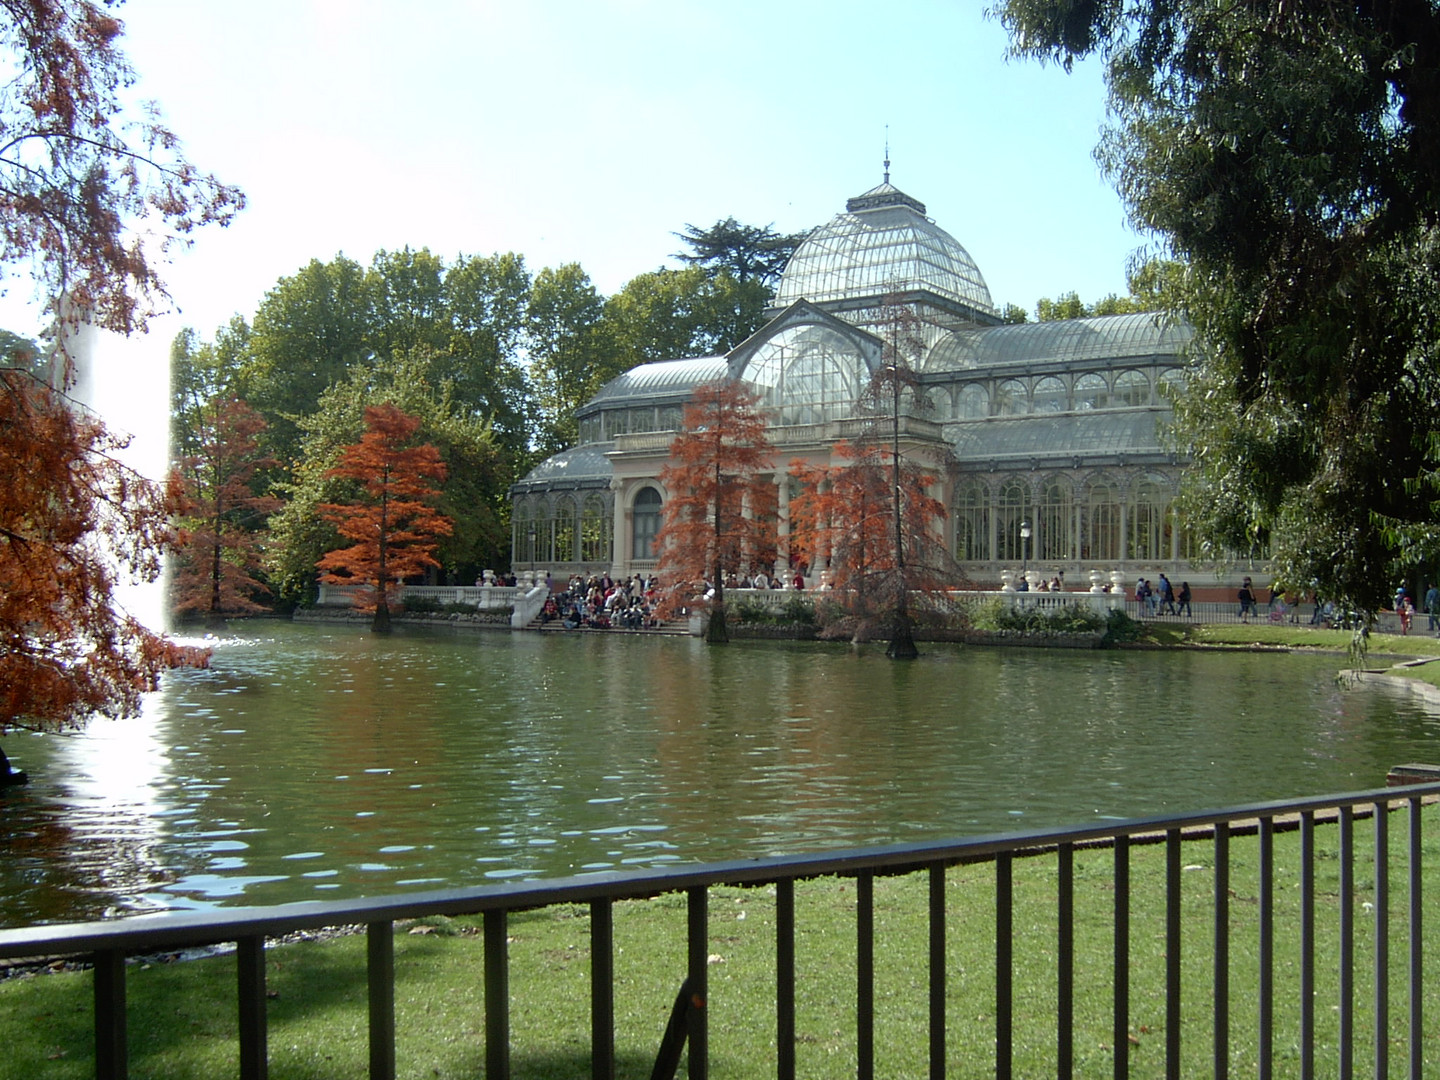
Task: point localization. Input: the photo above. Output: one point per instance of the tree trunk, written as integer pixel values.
(716, 632)
(10, 777)
(902, 640)
(381, 623)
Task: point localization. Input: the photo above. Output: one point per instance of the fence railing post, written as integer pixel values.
(380, 979)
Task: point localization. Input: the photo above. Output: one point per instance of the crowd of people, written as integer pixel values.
(601, 603)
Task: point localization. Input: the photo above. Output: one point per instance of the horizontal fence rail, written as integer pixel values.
(1194, 973)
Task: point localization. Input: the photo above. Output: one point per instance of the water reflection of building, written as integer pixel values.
(1052, 423)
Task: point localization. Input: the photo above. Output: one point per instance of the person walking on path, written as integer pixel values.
(1432, 607)
(1185, 599)
(1405, 610)
(1247, 601)
(1167, 595)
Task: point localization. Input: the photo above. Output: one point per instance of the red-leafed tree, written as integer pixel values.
(712, 487)
(874, 517)
(394, 527)
(845, 516)
(74, 177)
(214, 571)
(72, 520)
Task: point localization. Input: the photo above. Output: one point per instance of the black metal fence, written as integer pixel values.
(1385, 936)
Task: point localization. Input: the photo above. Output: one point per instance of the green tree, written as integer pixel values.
(407, 304)
(745, 252)
(572, 353)
(1065, 306)
(307, 334)
(669, 314)
(473, 496)
(200, 372)
(1289, 157)
(486, 301)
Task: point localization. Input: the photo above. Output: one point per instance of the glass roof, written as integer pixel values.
(586, 462)
(882, 243)
(662, 379)
(1124, 432)
(1107, 338)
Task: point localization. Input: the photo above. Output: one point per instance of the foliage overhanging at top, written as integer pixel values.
(1289, 156)
(74, 173)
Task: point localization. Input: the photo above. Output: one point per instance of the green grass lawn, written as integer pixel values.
(182, 1015)
(1380, 647)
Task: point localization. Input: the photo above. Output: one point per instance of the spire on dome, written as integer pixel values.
(887, 153)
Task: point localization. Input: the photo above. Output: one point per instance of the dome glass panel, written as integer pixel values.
(883, 243)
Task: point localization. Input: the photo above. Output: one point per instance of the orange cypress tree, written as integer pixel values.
(393, 526)
(72, 518)
(874, 517)
(214, 570)
(714, 470)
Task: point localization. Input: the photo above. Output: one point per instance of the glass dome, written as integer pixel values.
(883, 243)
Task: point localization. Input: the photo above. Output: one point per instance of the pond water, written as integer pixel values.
(314, 762)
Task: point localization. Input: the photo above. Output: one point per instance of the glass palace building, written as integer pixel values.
(1056, 424)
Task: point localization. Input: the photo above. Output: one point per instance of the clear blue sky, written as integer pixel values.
(591, 131)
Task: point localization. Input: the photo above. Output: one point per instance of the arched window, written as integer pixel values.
(1050, 395)
(1170, 382)
(1100, 522)
(1150, 520)
(523, 532)
(1132, 388)
(1013, 508)
(595, 527)
(1011, 398)
(565, 529)
(646, 523)
(1055, 533)
(972, 522)
(1091, 392)
(972, 403)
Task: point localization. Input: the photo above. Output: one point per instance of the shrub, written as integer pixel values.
(795, 609)
(1120, 627)
(422, 605)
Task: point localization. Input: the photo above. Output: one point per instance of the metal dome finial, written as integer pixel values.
(887, 153)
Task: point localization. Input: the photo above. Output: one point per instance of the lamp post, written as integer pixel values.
(1025, 551)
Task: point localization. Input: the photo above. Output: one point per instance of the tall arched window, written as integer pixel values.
(972, 522)
(1100, 522)
(523, 532)
(1013, 508)
(1150, 520)
(565, 529)
(646, 523)
(1055, 539)
(595, 526)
